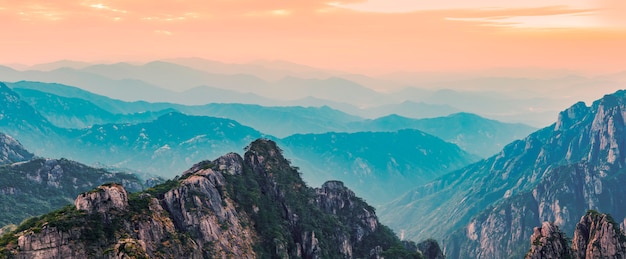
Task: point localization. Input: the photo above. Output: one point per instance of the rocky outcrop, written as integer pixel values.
(233, 207)
(103, 199)
(598, 236)
(430, 249)
(548, 242)
(12, 151)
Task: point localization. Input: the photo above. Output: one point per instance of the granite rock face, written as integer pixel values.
(548, 242)
(103, 199)
(598, 236)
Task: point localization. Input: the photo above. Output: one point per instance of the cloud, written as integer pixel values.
(542, 18)
(163, 32)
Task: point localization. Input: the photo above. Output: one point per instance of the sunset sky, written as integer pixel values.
(376, 36)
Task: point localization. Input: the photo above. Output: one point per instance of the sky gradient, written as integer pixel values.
(374, 37)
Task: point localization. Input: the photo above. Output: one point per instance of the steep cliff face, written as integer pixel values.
(553, 175)
(233, 207)
(12, 151)
(548, 242)
(598, 236)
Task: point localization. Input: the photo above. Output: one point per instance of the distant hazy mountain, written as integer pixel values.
(162, 146)
(489, 209)
(123, 89)
(59, 64)
(378, 165)
(176, 77)
(279, 121)
(276, 121)
(23, 122)
(474, 134)
(267, 70)
(78, 113)
(417, 110)
(180, 138)
(334, 89)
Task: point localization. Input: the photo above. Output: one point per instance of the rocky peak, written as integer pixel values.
(12, 151)
(334, 196)
(548, 242)
(103, 199)
(231, 163)
(571, 116)
(262, 153)
(430, 249)
(598, 236)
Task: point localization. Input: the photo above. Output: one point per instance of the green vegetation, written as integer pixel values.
(282, 210)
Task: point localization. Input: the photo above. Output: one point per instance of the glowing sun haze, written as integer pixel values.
(376, 36)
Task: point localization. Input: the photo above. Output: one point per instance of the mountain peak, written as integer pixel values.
(103, 199)
(572, 115)
(598, 236)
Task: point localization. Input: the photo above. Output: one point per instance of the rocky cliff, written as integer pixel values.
(596, 236)
(255, 206)
(548, 242)
(489, 209)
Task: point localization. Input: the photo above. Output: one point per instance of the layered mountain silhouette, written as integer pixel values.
(65, 106)
(173, 141)
(489, 209)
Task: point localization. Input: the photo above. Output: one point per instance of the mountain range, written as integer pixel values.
(156, 139)
(488, 209)
(69, 107)
(507, 97)
(255, 206)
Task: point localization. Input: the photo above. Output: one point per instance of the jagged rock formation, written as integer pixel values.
(12, 151)
(548, 242)
(255, 206)
(103, 199)
(489, 209)
(598, 236)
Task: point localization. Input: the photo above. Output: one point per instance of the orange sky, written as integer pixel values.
(376, 37)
